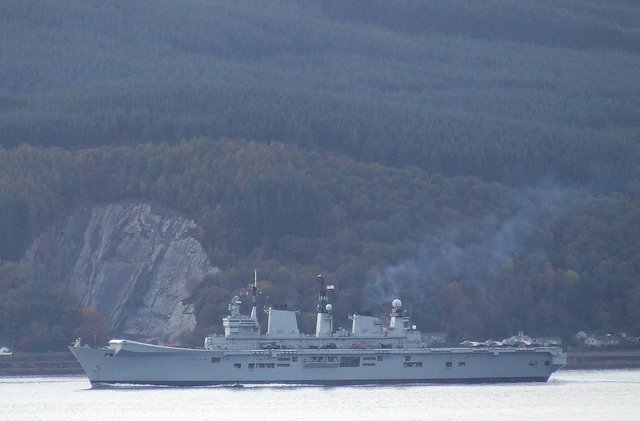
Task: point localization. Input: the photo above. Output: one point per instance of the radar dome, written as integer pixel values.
(329, 307)
(396, 303)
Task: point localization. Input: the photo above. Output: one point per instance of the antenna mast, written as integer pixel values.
(322, 299)
(254, 288)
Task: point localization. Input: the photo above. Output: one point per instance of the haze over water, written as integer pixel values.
(584, 395)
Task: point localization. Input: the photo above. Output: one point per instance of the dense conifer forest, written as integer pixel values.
(479, 159)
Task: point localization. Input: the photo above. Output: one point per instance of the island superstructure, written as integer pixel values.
(370, 352)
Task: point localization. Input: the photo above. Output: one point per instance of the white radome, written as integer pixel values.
(329, 307)
(396, 303)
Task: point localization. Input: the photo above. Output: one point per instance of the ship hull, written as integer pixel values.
(137, 363)
(103, 383)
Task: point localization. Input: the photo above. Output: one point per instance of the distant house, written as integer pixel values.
(591, 341)
(609, 340)
(595, 341)
(633, 340)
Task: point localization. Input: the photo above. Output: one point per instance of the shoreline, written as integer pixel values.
(40, 364)
(64, 363)
(596, 360)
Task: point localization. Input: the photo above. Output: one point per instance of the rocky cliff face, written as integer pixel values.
(133, 262)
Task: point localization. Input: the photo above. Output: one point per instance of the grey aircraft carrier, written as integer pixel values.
(370, 352)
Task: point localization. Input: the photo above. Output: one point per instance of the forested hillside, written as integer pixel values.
(480, 160)
(504, 91)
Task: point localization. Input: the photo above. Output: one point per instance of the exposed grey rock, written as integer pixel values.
(133, 262)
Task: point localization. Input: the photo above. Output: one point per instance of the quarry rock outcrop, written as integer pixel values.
(135, 263)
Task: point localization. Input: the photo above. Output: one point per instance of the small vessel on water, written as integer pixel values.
(371, 352)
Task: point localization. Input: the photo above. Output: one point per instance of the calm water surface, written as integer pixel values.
(569, 395)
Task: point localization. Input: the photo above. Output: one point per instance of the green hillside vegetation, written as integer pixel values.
(579, 24)
(557, 261)
(503, 91)
(478, 159)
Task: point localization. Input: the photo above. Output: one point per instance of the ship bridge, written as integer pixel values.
(236, 324)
